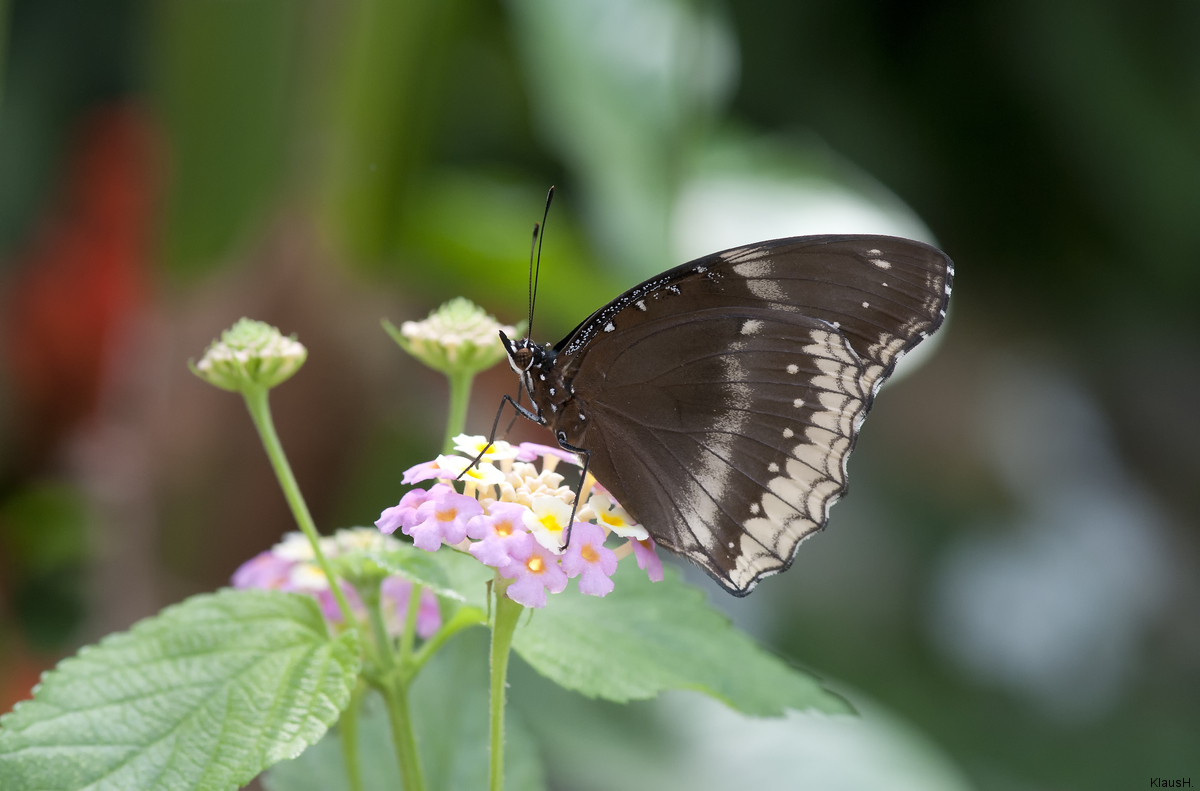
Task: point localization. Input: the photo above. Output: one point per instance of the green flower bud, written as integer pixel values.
(250, 354)
(457, 338)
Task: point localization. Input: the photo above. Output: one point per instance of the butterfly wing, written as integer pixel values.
(722, 398)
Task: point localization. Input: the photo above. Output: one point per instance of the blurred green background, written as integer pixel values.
(1010, 591)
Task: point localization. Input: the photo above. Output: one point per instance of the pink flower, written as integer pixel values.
(535, 569)
(398, 590)
(587, 558)
(494, 532)
(647, 558)
(424, 471)
(264, 570)
(403, 514)
(443, 516)
(528, 451)
(329, 605)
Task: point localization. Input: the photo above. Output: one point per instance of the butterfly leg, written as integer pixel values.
(520, 392)
(496, 424)
(587, 459)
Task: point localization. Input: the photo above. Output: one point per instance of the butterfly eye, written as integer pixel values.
(562, 436)
(523, 358)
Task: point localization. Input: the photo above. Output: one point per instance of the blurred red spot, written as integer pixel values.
(81, 276)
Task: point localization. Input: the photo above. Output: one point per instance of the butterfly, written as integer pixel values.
(720, 400)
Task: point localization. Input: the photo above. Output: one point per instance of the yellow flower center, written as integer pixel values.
(504, 529)
(589, 554)
(447, 515)
(610, 518)
(535, 564)
(551, 524)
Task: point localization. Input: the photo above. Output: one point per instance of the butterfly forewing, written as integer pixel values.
(721, 399)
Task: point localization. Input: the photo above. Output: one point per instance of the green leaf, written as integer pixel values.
(204, 695)
(454, 575)
(646, 637)
(450, 714)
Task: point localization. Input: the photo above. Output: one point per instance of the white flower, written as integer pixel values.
(615, 518)
(308, 577)
(524, 482)
(360, 539)
(294, 546)
(482, 474)
(470, 446)
(547, 520)
(250, 354)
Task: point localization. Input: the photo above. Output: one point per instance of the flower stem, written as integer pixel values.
(508, 612)
(395, 692)
(260, 413)
(348, 726)
(464, 618)
(410, 625)
(403, 737)
(460, 396)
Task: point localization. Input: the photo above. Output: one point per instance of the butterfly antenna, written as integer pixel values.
(532, 247)
(538, 269)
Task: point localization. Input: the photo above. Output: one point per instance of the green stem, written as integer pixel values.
(395, 692)
(383, 641)
(460, 396)
(260, 413)
(464, 618)
(348, 727)
(410, 625)
(403, 738)
(508, 612)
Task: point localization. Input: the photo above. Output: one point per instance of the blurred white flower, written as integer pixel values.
(457, 338)
(250, 354)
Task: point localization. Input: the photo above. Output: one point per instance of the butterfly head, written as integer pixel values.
(522, 354)
(526, 358)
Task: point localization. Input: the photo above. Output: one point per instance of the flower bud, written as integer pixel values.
(250, 354)
(457, 338)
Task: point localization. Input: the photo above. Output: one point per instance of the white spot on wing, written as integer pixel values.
(609, 327)
(879, 262)
(793, 368)
(788, 433)
(751, 326)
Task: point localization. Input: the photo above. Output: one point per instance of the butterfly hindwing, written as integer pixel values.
(731, 447)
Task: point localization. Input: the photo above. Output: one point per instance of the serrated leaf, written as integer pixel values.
(450, 716)
(205, 695)
(647, 637)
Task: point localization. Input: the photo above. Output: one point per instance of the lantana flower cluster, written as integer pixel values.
(457, 337)
(291, 566)
(511, 513)
(250, 354)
